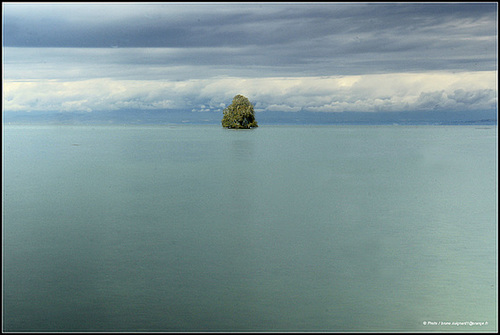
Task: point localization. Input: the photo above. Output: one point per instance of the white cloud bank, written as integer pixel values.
(362, 93)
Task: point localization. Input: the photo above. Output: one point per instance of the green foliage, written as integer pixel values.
(239, 114)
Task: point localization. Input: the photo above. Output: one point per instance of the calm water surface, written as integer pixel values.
(198, 228)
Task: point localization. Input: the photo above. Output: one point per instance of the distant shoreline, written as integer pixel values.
(179, 125)
(180, 117)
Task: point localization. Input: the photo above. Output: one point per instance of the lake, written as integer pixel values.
(279, 228)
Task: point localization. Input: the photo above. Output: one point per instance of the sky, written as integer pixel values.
(289, 57)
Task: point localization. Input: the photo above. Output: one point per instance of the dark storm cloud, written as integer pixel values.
(170, 26)
(157, 25)
(346, 28)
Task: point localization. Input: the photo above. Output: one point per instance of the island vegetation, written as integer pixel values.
(239, 114)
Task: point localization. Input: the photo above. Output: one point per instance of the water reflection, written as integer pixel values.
(242, 148)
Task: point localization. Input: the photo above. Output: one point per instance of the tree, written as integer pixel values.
(239, 114)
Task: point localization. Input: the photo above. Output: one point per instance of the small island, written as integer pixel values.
(239, 114)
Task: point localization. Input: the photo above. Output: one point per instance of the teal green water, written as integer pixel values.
(199, 228)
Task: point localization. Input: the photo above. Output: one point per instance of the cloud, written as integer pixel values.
(369, 93)
(216, 24)
(329, 57)
(460, 99)
(267, 39)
